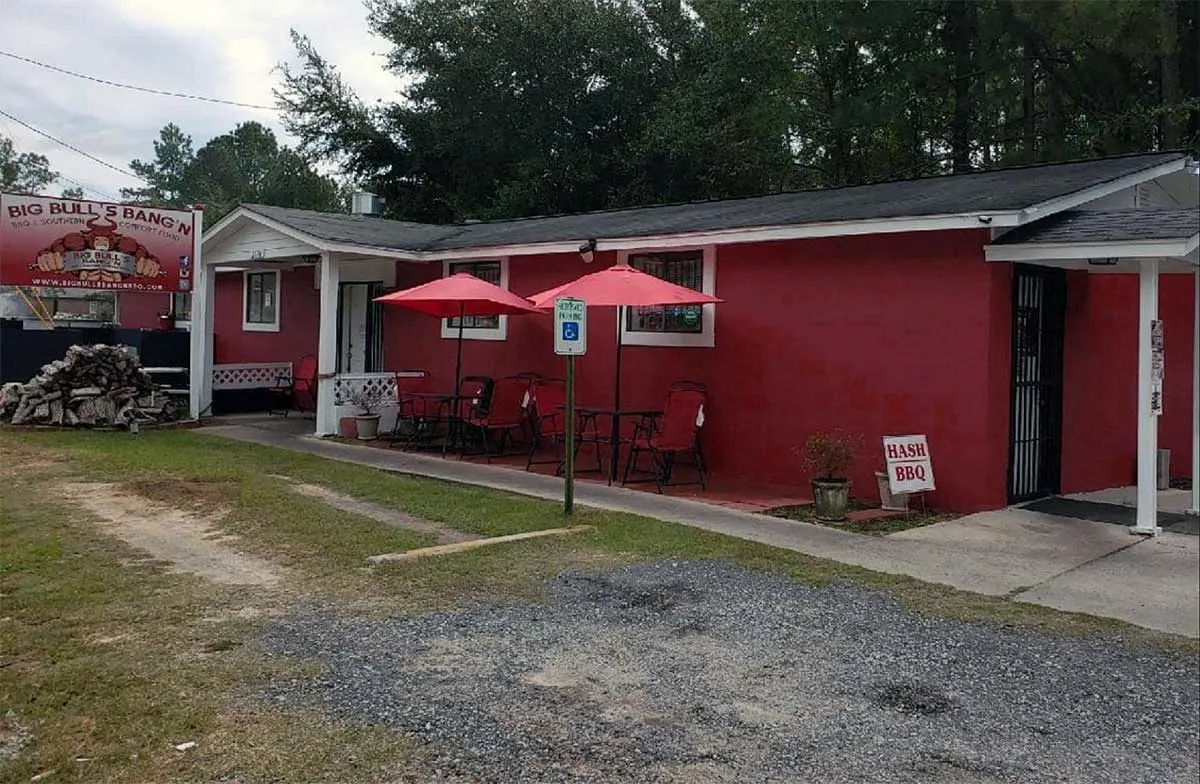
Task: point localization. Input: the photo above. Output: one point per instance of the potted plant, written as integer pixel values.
(366, 424)
(829, 456)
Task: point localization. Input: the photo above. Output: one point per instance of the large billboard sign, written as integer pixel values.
(73, 243)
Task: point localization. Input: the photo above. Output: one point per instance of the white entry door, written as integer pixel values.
(355, 346)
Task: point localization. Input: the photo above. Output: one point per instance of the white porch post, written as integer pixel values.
(1147, 422)
(327, 346)
(200, 362)
(1196, 403)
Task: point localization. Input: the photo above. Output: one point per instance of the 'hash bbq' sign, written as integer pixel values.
(69, 243)
(909, 466)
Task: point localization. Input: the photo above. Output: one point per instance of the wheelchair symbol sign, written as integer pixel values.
(570, 332)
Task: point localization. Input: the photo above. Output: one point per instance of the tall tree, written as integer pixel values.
(26, 172)
(245, 165)
(518, 107)
(166, 177)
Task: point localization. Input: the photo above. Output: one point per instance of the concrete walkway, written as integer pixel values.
(1074, 565)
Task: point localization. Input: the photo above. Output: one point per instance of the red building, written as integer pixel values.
(997, 313)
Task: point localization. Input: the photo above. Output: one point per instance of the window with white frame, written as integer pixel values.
(260, 295)
(675, 325)
(181, 308)
(494, 271)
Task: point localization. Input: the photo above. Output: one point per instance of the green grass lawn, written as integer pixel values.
(109, 659)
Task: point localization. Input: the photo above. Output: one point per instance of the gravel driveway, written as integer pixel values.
(704, 672)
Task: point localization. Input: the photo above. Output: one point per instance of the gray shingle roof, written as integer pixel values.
(1107, 226)
(355, 229)
(976, 192)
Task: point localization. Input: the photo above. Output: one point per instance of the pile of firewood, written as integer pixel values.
(91, 386)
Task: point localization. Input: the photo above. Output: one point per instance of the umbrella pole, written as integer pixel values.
(615, 433)
(456, 411)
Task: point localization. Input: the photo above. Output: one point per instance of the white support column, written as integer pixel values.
(1147, 422)
(1196, 403)
(200, 363)
(327, 346)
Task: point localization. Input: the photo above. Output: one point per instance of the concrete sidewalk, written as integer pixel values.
(1067, 564)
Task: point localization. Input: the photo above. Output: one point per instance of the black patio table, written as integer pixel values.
(448, 404)
(589, 429)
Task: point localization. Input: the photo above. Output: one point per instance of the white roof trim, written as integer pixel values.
(1060, 203)
(1125, 249)
(755, 234)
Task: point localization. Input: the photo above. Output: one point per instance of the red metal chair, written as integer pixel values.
(503, 413)
(546, 400)
(674, 432)
(297, 392)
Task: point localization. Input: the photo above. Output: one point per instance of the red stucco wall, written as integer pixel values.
(884, 334)
(1100, 372)
(300, 307)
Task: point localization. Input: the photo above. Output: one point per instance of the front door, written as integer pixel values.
(359, 344)
(1035, 440)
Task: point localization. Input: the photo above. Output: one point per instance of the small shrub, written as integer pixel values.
(830, 454)
(368, 400)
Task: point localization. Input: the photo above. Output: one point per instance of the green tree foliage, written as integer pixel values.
(26, 172)
(519, 107)
(246, 165)
(166, 177)
(73, 193)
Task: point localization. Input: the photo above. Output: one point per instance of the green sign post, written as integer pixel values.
(570, 341)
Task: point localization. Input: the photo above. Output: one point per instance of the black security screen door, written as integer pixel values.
(1035, 439)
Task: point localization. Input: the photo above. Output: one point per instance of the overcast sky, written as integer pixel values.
(219, 48)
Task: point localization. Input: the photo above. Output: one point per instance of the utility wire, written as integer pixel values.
(63, 177)
(70, 147)
(150, 90)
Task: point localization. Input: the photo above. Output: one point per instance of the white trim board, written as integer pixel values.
(255, 326)
(1129, 249)
(706, 337)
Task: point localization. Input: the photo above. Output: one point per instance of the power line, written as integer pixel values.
(150, 90)
(62, 177)
(70, 147)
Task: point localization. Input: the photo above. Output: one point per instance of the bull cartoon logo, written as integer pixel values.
(98, 255)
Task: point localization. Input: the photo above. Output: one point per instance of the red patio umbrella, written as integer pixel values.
(622, 286)
(457, 296)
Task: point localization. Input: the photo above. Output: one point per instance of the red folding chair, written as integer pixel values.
(504, 413)
(667, 436)
(297, 392)
(547, 397)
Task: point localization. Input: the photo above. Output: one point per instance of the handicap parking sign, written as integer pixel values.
(570, 332)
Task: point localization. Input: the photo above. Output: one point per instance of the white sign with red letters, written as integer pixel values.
(909, 466)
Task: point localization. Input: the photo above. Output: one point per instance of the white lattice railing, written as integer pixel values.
(346, 385)
(250, 375)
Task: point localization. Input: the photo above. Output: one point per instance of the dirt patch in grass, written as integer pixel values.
(191, 493)
(885, 523)
(188, 542)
